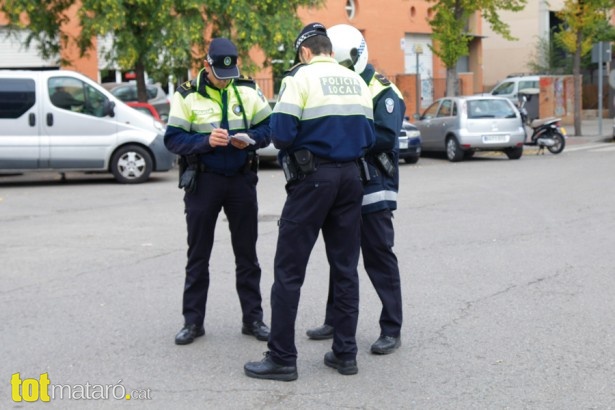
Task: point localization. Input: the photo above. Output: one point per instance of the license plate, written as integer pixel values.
(403, 144)
(495, 139)
(563, 131)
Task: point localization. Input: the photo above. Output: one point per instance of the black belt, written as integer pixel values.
(321, 161)
(228, 173)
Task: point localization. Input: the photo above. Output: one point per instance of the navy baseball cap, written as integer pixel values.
(311, 30)
(222, 57)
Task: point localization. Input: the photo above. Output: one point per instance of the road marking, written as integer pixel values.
(604, 149)
(583, 147)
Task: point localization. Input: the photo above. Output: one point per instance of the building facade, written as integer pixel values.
(397, 32)
(530, 25)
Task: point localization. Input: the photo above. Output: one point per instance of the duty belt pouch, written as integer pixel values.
(188, 172)
(305, 161)
(386, 164)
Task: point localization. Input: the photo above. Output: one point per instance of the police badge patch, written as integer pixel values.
(237, 109)
(389, 104)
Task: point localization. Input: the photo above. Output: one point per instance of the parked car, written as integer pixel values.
(511, 86)
(146, 108)
(409, 143)
(462, 125)
(268, 153)
(156, 96)
(60, 120)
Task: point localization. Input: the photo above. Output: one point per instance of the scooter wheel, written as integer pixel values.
(560, 143)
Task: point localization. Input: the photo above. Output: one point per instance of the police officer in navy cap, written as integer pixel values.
(216, 124)
(322, 124)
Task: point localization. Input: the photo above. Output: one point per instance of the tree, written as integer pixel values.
(547, 58)
(161, 37)
(449, 27)
(584, 23)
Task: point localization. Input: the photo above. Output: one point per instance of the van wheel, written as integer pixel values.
(454, 153)
(131, 164)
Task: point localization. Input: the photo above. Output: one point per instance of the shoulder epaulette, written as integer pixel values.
(245, 81)
(187, 87)
(293, 69)
(382, 79)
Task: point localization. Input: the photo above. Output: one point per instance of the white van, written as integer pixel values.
(63, 121)
(510, 87)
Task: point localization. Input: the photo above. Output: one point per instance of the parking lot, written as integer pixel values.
(507, 279)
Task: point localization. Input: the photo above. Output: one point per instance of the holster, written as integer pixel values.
(291, 171)
(188, 172)
(364, 169)
(252, 162)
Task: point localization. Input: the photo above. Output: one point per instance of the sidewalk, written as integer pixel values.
(589, 130)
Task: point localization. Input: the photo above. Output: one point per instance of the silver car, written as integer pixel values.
(463, 125)
(156, 96)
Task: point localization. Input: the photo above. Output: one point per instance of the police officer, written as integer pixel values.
(322, 123)
(380, 193)
(216, 123)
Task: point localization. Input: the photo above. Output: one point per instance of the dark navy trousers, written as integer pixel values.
(329, 200)
(380, 262)
(237, 196)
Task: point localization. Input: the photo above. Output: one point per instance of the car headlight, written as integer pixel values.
(415, 133)
(159, 126)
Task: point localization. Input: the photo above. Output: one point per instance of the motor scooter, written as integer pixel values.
(546, 132)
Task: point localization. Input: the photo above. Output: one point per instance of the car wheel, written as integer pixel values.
(411, 160)
(514, 152)
(454, 153)
(131, 164)
(468, 154)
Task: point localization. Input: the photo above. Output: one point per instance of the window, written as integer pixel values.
(490, 109)
(17, 96)
(126, 93)
(431, 111)
(527, 84)
(75, 95)
(446, 109)
(351, 9)
(66, 93)
(504, 88)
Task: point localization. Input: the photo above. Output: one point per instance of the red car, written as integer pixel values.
(145, 108)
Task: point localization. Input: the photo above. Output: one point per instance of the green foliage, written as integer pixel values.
(449, 24)
(548, 58)
(47, 17)
(163, 36)
(584, 23)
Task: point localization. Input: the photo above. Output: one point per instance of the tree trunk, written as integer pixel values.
(452, 82)
(141, 90)
(578, 81)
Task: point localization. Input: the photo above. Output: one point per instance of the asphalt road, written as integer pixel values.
(508, 283)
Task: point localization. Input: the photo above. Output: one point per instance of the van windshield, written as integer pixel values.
(504, 88)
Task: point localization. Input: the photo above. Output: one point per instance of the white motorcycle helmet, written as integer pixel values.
(349, 47)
